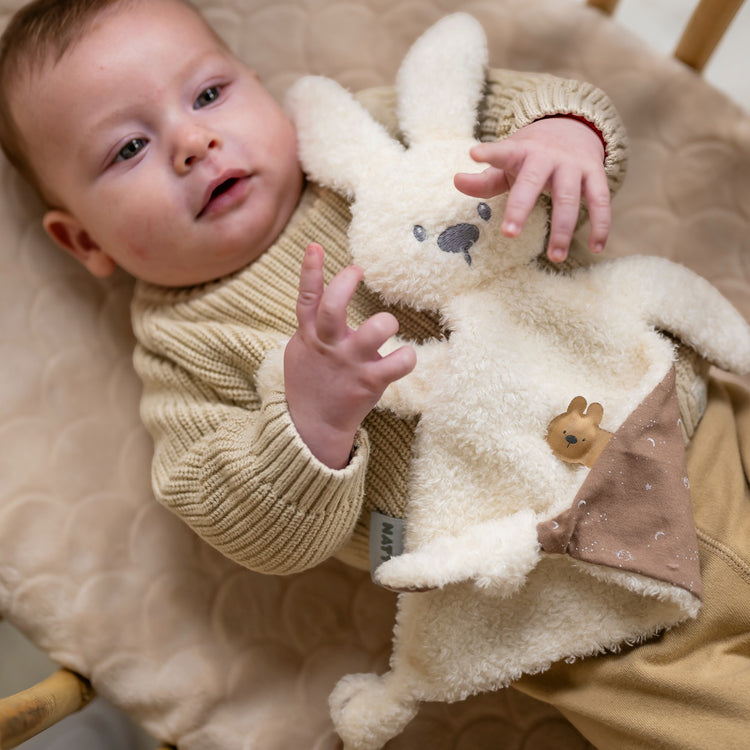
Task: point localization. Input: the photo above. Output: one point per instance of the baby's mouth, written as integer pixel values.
(214, 200)
(226, 185)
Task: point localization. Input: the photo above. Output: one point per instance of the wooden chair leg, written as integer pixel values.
(31, 711)
(608, 6)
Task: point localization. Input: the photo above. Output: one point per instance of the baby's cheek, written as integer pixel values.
(147, 225)
(141, 236)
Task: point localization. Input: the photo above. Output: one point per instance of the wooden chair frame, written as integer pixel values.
(704, 31)
(29, 712)
(33, 710)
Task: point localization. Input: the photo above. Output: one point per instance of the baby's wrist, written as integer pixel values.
(583, 121)
(331, 446)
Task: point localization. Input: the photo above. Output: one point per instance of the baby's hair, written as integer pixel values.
(38, 34)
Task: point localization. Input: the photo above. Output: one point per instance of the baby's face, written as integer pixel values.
(163, 147)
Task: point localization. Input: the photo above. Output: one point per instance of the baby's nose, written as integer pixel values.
(459, 239)
(193, 145)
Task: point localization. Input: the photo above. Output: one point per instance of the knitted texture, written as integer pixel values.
(231, 464)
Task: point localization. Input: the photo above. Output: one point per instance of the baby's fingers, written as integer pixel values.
(310, 286)
(499, 154)
(370, 337)
(526, 189)
(397, 365)
(372, 334)
(330, 322)
(596, 193)
(484, 184)
(566, 203)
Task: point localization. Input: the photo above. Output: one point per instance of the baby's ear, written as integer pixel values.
(339, 141)
(68, 233)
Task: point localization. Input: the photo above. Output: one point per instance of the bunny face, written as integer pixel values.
(421, 241)
(417, 238)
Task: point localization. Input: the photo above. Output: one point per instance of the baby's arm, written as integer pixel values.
(333, 374)
(559, 154)
(236, 472)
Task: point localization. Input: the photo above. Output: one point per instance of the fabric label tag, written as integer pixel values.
(386, 538)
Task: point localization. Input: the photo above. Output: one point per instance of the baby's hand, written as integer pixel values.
(333, 374)
(559, 154)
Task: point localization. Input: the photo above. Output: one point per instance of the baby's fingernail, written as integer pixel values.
(510, 228)
(598, 248)
(557, 254)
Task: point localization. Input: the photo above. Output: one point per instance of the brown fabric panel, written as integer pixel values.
(687, 689)
(633, 510)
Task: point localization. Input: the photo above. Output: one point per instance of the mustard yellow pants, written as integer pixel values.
(689, 689)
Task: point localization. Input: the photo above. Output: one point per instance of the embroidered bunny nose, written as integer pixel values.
(458, 239)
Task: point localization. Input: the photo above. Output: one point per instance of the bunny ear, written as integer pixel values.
(595, 412)
(337, 138)
(577, 405)
(441, 80)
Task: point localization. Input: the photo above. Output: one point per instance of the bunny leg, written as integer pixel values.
(368, 710)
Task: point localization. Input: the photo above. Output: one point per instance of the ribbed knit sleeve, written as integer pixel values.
(242, 478)
(517, 99)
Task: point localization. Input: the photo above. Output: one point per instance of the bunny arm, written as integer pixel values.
(497, 555)
(676, 300)
(411, 395)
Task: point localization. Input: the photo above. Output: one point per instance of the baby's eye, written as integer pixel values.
(130, 149)
(206, 97)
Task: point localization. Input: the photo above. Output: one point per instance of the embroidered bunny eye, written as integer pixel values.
(420, 233)
(484, 211)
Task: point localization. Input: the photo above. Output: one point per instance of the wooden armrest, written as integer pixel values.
(31, 711)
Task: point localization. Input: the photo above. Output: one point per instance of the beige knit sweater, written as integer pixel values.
(231, 465)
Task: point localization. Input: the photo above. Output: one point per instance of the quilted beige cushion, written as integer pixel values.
(110, 584)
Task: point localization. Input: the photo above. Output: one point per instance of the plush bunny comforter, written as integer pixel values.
(514, 556)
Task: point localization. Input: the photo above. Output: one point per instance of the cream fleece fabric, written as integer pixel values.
(233, 467)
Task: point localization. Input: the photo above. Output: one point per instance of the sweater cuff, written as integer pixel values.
(550, 96)
(295, 473)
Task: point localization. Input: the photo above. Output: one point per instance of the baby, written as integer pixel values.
(159, 151)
